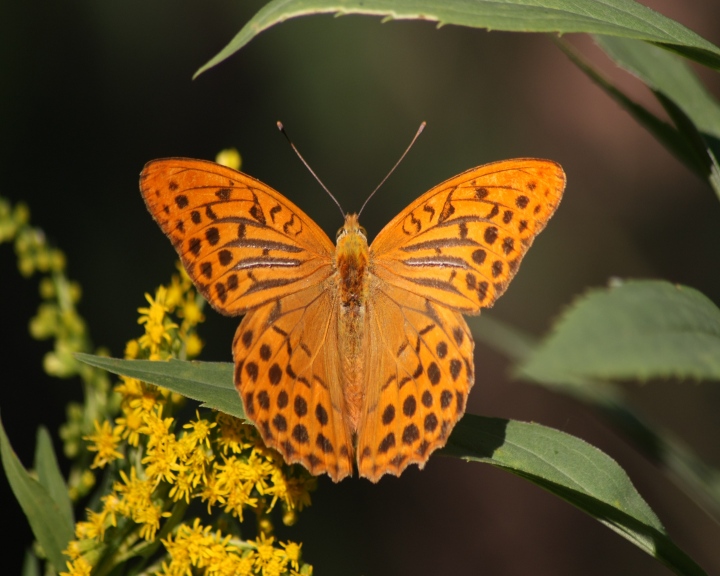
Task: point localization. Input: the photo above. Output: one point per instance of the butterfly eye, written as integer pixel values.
(340, 232)
(362, 231)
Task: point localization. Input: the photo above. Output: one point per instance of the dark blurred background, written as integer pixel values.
(90, 91)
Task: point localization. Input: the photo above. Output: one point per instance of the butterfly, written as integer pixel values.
(352, 355)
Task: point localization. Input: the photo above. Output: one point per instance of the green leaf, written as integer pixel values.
(624, 18)
(692, 108)
(208, 382)
(31, 565)
(49, 525)
(675, 141)
(573, 470)
(636, 330)
(49, 475)
(667, 74)
(694, 477)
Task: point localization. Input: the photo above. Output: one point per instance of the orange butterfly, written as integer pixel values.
(352, 353)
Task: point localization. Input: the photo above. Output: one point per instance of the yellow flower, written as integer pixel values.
(218, 460)
(161, 460)
(155, 313)
(297, 496)
(129, 387)
(157, 324)
(190, 311)
(136, 503)
(291, 552)
(78, 567)
(183, 485)
(111, 503)
(269, 560)
(132, 349)
(234, 436)
(73, 550)
(175, 292)
(229, 157)
(150, 517)
(189, 546)
(213, 492)
(238, 498)
(193, 345)
(93, 528)
(156, 427)
(130, 425)
(104, 442)
(200, 430)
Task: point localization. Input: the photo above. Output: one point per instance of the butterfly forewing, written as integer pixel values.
(462, 242)
(242, 242)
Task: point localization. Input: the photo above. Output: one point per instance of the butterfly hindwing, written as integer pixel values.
(420, 361)
(242, 242)
(462, 242)
(287, 373)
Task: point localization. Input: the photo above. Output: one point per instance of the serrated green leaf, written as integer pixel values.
(49, 475)
(48, 523)
(637, 330)
(211, 383)
(573, 470)
(624, 18)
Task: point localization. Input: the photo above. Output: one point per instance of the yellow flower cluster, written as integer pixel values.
(164, 338)
(198, 547)
(161, 467)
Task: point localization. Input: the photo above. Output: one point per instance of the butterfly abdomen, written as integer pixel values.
(351, 261)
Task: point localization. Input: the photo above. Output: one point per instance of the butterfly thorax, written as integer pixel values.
(351, 261)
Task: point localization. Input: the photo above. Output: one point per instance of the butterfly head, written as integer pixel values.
(351, 237)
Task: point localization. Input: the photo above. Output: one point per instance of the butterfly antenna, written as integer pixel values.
(419, 131)
(282, 129)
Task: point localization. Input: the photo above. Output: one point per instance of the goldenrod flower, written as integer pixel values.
(160, 462)
(193, 345)
(157, 324)
(200, 430)
(78, 567)
(94, 527)
(104, 442)
(129, 425)
(229, 157)
(234, 436)
(291, 552)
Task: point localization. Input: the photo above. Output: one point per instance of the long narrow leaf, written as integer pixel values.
(49, 475)
(691, 107)
(49, 525)
(211, 383)
(663, 72)
(666, 134)
(624, 18)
